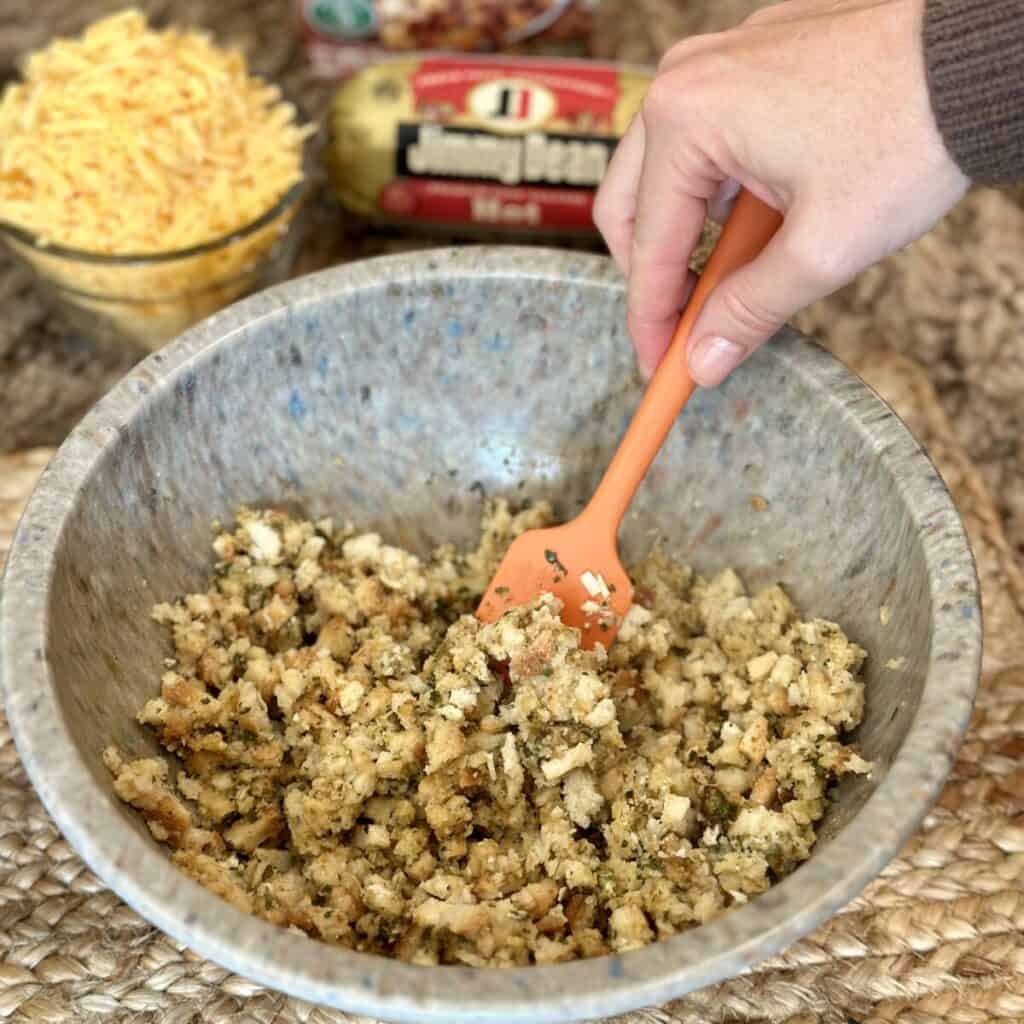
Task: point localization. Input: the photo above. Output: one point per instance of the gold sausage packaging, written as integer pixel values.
(517, 145)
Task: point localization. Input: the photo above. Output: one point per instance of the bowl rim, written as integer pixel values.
(144, 877)
(292, 197)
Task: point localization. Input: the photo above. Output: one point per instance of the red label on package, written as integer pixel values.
(464, 202)
(515, 95)
(520, 144)
(530, 124)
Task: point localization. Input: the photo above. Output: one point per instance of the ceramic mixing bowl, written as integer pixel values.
(396, 393)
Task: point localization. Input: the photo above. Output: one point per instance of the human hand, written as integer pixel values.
(818, 107)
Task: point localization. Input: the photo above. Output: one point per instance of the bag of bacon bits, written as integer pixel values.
(479, 145)
(342, 36)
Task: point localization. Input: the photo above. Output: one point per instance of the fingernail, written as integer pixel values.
(647, 372)
(711, 360)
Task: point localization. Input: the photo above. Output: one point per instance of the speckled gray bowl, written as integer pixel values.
(397, 392)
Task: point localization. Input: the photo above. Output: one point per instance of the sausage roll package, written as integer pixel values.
(342, 36)
(508, 145)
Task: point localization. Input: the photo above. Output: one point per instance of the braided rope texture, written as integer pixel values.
(939, 937)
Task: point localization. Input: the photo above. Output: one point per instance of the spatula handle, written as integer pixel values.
(749, 229)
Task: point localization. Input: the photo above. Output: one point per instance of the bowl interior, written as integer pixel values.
(399, 405)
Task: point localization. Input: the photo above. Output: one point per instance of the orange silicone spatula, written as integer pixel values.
(578, 562)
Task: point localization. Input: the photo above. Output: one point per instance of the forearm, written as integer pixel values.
(974, 60)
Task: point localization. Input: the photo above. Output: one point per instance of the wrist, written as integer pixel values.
(973, 55)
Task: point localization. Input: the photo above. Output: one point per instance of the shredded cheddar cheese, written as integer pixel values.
(135, 141)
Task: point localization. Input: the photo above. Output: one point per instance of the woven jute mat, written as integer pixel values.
(938, 937)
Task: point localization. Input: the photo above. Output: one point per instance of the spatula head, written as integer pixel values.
(578, 565)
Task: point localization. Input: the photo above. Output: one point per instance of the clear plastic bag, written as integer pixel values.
(343, 36)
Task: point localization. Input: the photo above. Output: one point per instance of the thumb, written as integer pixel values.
(751, 304)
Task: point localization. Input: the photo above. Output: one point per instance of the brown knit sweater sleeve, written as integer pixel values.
(974, 58)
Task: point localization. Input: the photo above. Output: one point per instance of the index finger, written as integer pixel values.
(670, 214)
(615, 203)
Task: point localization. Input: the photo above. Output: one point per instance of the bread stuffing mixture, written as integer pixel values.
(359, 758)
